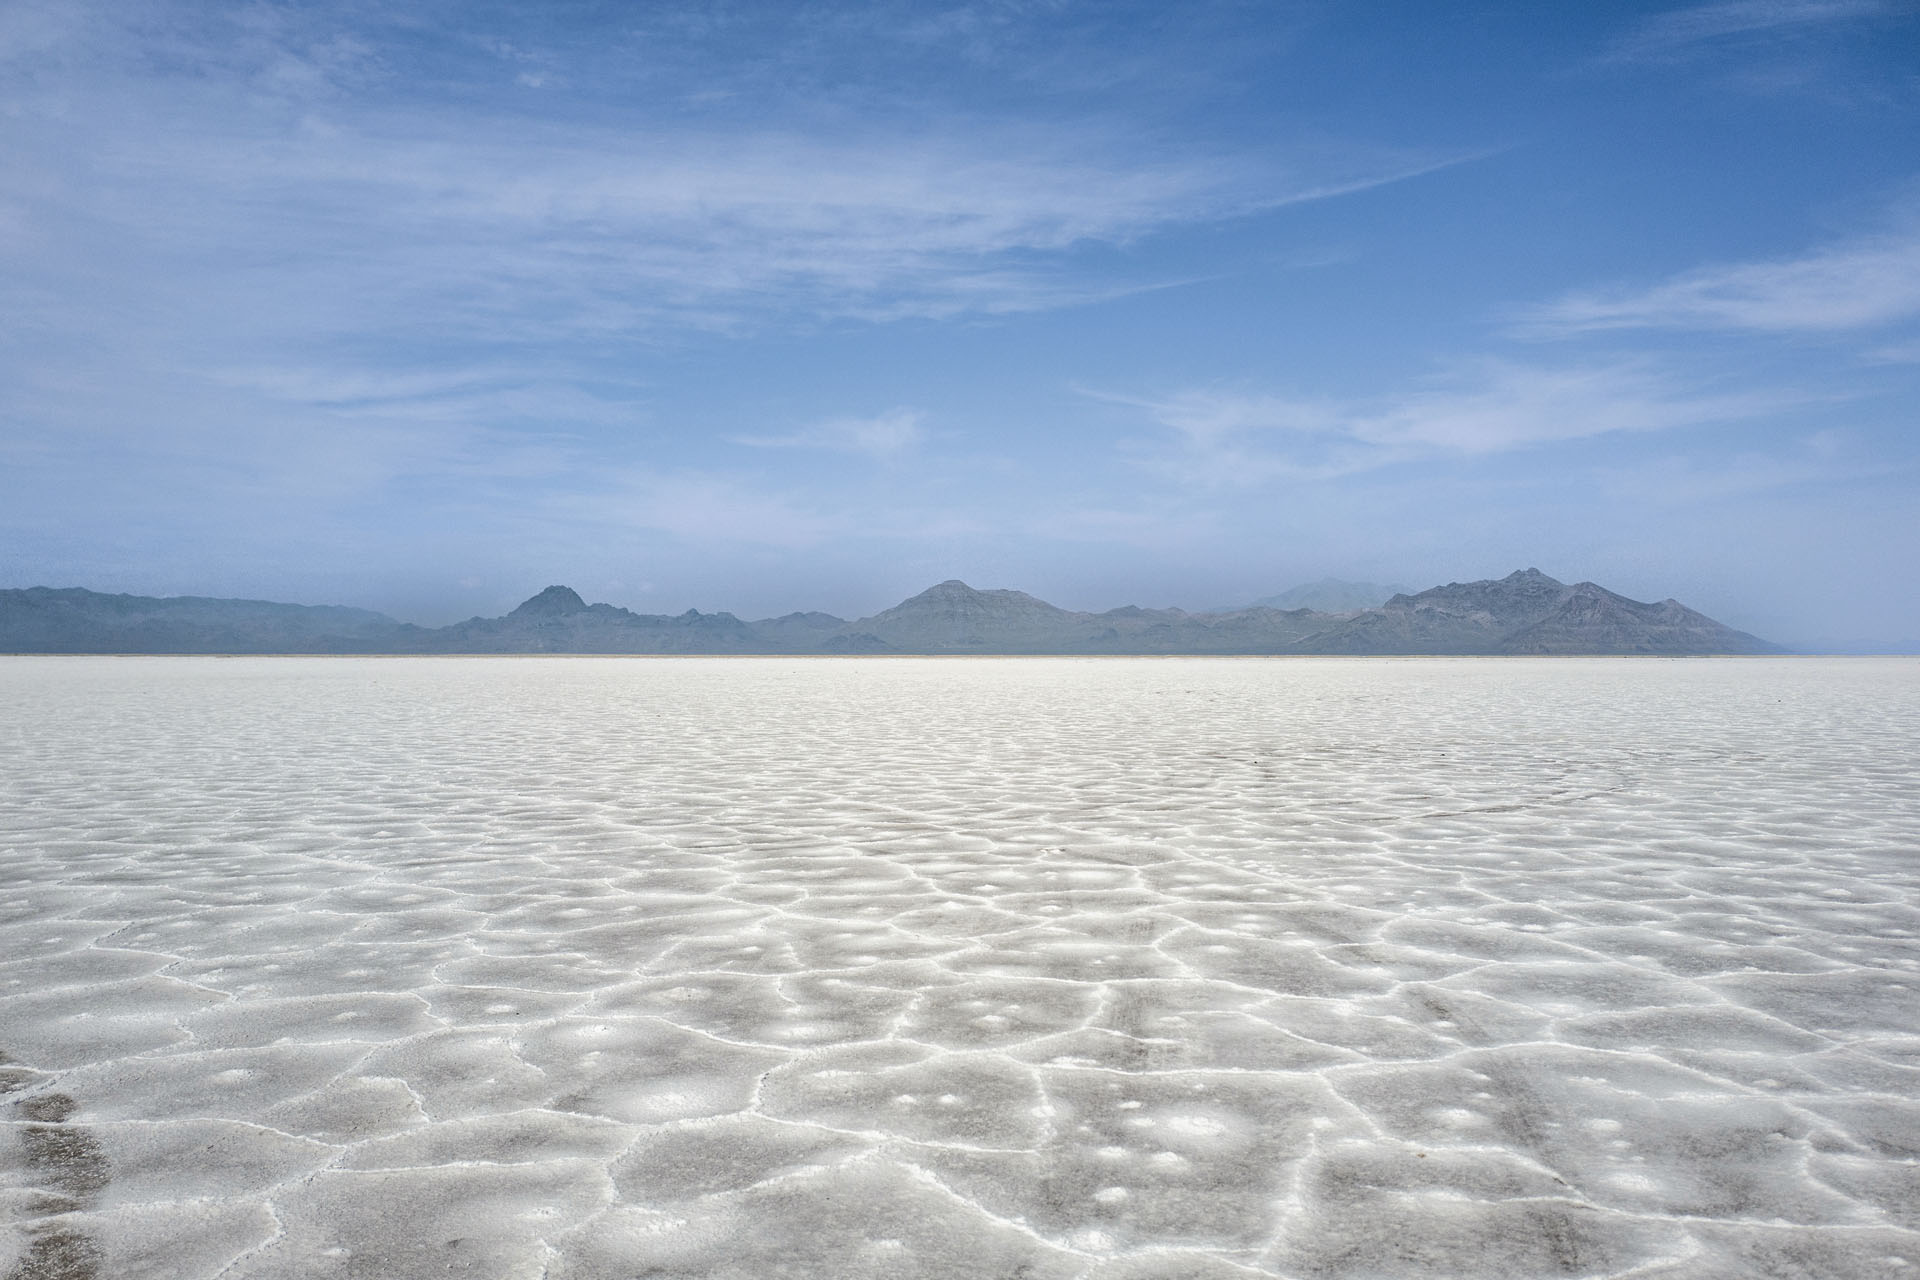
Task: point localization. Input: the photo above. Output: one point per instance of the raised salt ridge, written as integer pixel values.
(1103, 969)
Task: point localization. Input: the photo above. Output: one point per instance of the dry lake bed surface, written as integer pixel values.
(1105, 968)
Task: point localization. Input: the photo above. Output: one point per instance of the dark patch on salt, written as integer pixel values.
(48, 1108)
(60, 1253)
(71, 1168)
(69, 1159)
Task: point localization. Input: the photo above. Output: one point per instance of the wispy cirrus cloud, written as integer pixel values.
(1681, 31)
(882, 435)
(1907, 352)
(1237, 439)
(1861, 283)
(260, 165)
(544, 230)
(236, 240)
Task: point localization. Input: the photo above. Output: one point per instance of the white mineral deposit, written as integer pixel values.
(1085, 969)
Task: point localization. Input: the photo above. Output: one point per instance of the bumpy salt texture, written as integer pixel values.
(880, 967)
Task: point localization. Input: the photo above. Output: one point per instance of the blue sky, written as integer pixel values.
(423, 306)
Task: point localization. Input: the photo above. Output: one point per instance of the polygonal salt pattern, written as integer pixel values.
(1097, 969)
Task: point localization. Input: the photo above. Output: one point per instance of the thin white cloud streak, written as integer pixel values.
(257, 185)
(1510, 406)
(609, 237)
(1679, 30)
(1858, 284)
(881, 436)
(1232, 439)
(365, 388)
(246, 224)
(1894, 353)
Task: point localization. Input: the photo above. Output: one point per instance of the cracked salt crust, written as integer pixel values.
(1060, 968)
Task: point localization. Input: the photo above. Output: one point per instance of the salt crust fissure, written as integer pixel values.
(1032, 968)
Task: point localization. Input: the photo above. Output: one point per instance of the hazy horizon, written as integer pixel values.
(514, 603)
(763, 308)
(1832, 645)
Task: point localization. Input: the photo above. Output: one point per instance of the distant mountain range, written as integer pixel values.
(1525, 612)
(1329, 595)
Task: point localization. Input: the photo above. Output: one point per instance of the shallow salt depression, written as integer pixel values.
(1101, 968)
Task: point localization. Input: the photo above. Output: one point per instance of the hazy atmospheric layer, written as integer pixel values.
(1049, 968)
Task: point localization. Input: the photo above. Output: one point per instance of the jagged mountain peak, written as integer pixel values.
(554, 602)
(953, 615)
(1523, 588)
(953, 589)
(954, 593)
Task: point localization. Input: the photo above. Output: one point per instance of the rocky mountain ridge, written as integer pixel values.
(1526, 612)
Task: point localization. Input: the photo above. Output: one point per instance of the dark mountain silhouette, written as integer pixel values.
(956, 618)
(554, 602)
(1525, 612)
(1591, 619)
(1528, 612)
(549, 624)
(74, 620)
